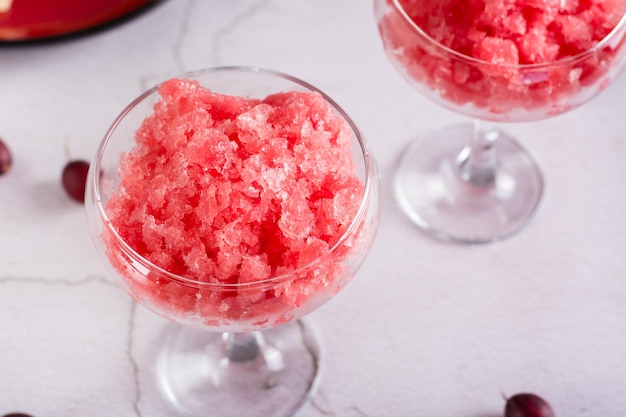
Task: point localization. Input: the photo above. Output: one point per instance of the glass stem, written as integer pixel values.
(242, 347)
(478, 159)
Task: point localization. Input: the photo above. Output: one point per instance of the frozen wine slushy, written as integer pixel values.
(233, 190)
(496, 37)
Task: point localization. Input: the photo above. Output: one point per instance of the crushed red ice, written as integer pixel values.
(502, 34)
(536, 31)
(230, 189)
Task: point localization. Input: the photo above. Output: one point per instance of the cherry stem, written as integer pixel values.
(66, 149)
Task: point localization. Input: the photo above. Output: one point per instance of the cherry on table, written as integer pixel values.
(6, 160)
(17, 415)
(74, 179)
(527, 405)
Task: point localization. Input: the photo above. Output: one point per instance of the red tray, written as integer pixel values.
(39, 19)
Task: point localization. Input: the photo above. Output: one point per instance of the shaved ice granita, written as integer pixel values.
(496, 61)
(233, 191)
(506, 60)
(233, 201)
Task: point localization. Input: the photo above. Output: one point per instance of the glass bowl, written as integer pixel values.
(237, 345)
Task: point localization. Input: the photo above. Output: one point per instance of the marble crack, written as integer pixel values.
(327, 411)
(131, 319)
(315, 360)
(176, 51)
(131, 359)
(358, 411)
(182, 34)
(323, 411)
(65, 282)
(237, 20)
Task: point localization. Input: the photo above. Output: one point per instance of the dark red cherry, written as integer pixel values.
(527, 405)
(74, 179)
(17, 415)
(6, 160)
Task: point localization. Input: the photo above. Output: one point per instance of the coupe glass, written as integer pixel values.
(234, 349)
(473, 183)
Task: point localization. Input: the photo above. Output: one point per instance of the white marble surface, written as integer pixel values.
(425, 329)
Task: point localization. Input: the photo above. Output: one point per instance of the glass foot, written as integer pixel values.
(274, 377)
(430, 189)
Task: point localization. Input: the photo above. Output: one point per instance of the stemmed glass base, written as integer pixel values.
(258, 374)
(435, 188)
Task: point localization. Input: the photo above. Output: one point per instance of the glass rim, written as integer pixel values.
(621, 24)
(294, 274)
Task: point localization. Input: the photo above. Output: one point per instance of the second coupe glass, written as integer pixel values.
(474, 183)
